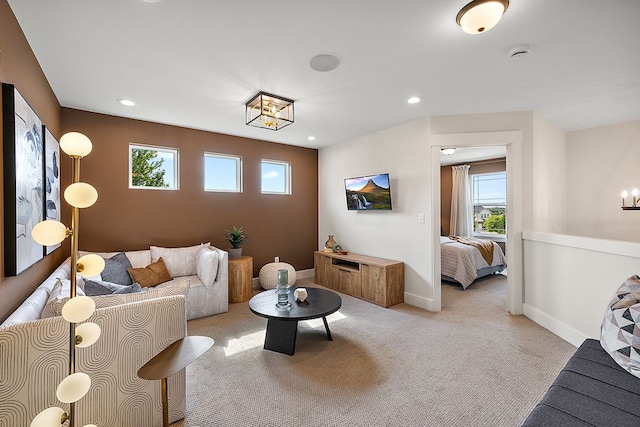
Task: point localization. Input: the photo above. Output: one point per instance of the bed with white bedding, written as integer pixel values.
(463, 262)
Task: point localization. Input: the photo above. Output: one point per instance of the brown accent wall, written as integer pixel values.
(19, 67)
(446, 185)
(127, 219)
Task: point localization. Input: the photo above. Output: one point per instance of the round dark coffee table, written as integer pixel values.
(282, 323)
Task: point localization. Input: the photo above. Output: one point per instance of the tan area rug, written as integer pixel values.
(473, 364)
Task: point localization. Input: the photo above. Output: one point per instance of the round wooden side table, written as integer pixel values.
(240, 277)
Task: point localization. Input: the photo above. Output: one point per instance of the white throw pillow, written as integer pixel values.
(179, 261)
(60, 291)
(207, 266)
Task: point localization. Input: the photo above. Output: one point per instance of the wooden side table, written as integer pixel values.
(240, 276)
(171, 360)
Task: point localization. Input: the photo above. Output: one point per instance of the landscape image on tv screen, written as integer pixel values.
(368, 193)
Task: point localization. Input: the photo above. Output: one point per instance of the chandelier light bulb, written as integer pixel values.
(90, 265)
(73, 388)
(78, 309)
(49, 232)
(87, 334)
(75, 144)
(50, 417)
(81, 195)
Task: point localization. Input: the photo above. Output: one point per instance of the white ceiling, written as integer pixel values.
(194, 63)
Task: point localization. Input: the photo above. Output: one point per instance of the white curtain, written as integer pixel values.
(461, 203)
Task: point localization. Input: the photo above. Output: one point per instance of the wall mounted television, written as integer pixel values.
(368, 193)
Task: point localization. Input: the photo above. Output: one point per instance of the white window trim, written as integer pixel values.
(176, 168)
(496, 237)
(287, 181)
(239, 182)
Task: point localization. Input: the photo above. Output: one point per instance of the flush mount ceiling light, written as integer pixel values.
(413, 100)
(448, 151)
(480, 16)
(268, 111)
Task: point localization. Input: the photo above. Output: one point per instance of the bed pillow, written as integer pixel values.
(207, 266)
(179, 261)
(115, 269)
(620, 332)
(151, 275)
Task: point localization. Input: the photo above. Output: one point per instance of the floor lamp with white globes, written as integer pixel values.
(78, 308)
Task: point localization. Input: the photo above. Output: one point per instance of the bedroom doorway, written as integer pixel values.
(481, 215)
(512, 140)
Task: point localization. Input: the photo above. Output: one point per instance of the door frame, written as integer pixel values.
(512, 140)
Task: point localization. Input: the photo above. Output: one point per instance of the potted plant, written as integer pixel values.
(236, 238)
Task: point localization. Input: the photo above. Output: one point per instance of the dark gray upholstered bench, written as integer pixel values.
(591, 390)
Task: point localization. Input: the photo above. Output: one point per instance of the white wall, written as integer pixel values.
(404, 153)
(601, 162)
(549, 177)
(571, 279)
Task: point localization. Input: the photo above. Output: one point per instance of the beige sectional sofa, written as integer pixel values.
(135, 327)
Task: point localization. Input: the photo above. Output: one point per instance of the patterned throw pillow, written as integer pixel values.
(151, 275)
(620, 332)
(115, 269)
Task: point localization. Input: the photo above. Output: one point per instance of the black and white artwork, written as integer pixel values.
(23, 181)
(51, 181)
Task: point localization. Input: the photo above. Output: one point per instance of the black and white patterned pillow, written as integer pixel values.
(620, 332)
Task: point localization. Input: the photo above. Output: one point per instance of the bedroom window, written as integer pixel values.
(153, 167)
(222, 172)
(276, 177)
(489, 203)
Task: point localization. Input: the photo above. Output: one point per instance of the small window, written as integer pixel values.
(153, 167)
(489, 203)
(276, 177)
(222, 172)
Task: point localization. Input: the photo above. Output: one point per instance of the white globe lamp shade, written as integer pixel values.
(50, 417)
(88, 333)
(49, 232)
(73, 388)
(480, 16)
(90, 265)
(78, 309)
(81, 195)
(75, 144)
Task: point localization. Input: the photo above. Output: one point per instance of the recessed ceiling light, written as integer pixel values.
(448, 151)
(311, 138)
(324, 63)
(413, 100)
(152, 1)
(127, 102)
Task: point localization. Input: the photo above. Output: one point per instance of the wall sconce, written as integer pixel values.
(634, 206)
(78, 308)
(480, 16)
(269, 111)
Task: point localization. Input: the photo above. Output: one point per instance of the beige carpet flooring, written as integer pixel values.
(473, 364)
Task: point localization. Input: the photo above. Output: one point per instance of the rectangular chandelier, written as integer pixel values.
(269, 111)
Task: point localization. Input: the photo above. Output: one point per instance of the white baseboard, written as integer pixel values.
(420, 302)
(564, 331)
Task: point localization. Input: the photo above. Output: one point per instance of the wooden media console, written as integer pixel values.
(377, 280)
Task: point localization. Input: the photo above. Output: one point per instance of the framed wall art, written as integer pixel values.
(23, 147)
(51, 181)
